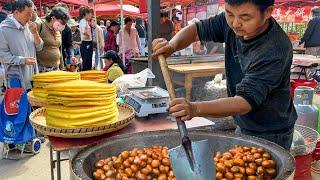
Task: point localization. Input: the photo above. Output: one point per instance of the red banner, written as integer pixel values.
(143, 6)
(293, 14)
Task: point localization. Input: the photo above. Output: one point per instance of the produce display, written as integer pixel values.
(239, 163)
(93, 75)
(139, 164)
(42, 80)
(81, 103)
(250, 163)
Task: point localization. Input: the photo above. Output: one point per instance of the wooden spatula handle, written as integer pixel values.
(166, 76)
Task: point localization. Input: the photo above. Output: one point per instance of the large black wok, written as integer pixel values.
(83, 162)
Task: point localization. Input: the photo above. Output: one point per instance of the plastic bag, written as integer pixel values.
(133, 80)
(215, 89)
(2, 73)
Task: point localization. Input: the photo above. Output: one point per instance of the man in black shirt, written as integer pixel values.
(258, 60)
(67, 46)
(142, 35)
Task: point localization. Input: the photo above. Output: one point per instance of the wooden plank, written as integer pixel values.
(197, 67)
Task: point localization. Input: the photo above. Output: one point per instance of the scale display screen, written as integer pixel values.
(150, 94)
(133, 103)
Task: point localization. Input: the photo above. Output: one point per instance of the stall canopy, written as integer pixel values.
(112, 9)
(69, 2)
(141, 2)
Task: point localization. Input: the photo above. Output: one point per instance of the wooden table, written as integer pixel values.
(196, 70)
(297, 58)
(152, 123)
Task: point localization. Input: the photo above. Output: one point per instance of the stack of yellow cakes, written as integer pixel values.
(42, 80)
(97, 76)
(81, 103)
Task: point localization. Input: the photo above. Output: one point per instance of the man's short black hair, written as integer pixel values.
(262, 4)
(127, 20)
(20, 5)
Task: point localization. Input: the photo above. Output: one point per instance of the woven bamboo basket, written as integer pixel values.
(37, 117)
(34, 101)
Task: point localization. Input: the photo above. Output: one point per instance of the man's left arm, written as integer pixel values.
(251, 92)
(260, 80)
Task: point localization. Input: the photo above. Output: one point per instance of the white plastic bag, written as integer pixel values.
(133, 80)
(215, 89)
(2, 72)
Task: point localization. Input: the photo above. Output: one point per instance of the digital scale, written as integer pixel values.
(148, 100)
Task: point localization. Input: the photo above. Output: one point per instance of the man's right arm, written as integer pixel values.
(212, 29)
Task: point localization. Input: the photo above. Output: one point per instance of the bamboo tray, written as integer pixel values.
(34, 101)
(126, 115)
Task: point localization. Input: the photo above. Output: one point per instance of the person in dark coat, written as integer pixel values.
(6, 9)
(67, 46)
(311, 37)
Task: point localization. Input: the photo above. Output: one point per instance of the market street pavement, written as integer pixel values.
(32, 168)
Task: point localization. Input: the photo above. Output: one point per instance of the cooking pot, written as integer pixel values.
(83, 163)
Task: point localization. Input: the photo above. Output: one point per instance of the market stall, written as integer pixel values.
(113, 122)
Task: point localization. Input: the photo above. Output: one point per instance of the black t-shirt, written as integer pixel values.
(141, 31)
(257, 70)
(66, 38)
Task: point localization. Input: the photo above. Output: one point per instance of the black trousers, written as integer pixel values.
(86, 50)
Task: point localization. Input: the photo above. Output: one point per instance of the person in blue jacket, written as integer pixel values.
(311, 37)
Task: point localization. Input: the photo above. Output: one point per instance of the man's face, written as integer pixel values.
(24, 16)
(89, 16)
(34, 15)
(114, 28)
(246, 20)
(129, 25)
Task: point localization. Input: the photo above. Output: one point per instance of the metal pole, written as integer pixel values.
(58, 166)
(153, 33)
(122, 32)
(97, 35)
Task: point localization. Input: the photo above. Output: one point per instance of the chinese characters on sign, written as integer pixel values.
(292, 14)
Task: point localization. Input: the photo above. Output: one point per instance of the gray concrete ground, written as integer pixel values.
(35, 167)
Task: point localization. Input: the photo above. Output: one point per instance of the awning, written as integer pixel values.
(68, 2)
(112, 9)
(138, 2)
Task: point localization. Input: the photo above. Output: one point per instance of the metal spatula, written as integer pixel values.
(190, 160)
